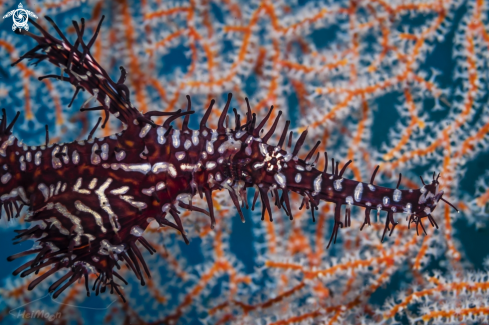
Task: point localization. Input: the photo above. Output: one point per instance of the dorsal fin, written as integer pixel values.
(256, 132)
(187, 117)
(248, 112)
(3, 125)
(272, 129)
(325, 162)
(299, 143)
(237, 120)
(284, 134)
(344, 168)
(47, 134)
(90, 135)
(207, 113)
(252, 124)
(313, 150)
(4, 129)
(175, 116)
(222, 118)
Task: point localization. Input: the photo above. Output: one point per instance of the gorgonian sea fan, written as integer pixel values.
(90, 201)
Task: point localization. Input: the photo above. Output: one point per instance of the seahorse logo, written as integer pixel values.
(20, 17)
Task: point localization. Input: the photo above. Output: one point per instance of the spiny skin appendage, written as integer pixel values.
(90, 201)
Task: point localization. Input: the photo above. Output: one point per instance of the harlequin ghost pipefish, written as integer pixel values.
(89, 202)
